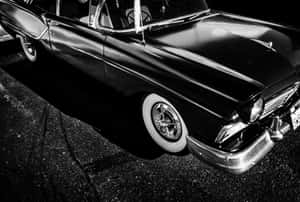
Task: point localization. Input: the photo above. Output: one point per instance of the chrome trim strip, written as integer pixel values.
(209, 16)
(123, 31)
(58, 6)
(130, 71)
(87, 53)
(42, 34)
(268, 45)
(95, 16)
(137, 16)
(235, 163)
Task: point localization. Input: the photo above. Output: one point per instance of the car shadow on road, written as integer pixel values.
(114, 116)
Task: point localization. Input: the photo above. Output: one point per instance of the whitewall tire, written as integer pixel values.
(164, 123)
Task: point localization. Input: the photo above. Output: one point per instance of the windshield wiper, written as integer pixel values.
(178, 20)
(166, 23)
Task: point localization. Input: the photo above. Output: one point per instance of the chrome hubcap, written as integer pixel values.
(166, 121)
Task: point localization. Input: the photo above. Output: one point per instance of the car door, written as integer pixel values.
(22, 20)
(75, 40)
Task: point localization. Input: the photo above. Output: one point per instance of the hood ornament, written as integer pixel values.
(266, 44)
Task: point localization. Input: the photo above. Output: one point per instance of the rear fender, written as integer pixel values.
(21, 20)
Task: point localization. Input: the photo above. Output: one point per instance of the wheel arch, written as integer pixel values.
(136, 85)
(200, 124)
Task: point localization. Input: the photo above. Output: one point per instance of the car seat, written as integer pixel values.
(146, 15)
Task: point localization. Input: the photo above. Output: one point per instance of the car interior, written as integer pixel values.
(113, 14)
(119, 14)
(74, 9)
(166, 9)
(49, 6)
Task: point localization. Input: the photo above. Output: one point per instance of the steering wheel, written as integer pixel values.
(146, 17)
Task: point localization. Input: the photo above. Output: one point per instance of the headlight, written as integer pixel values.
(252, 111)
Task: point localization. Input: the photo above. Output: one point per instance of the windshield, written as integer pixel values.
(122, 14)
(154, 11)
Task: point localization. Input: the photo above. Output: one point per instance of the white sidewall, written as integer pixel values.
(172, 147)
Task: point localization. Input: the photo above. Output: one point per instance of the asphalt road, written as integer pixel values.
(46, 155)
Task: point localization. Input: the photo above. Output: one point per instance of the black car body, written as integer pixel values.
(234, 80)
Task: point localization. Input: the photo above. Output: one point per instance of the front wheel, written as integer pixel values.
(164, 123)
(28, 48)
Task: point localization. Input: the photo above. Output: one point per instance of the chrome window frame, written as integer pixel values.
(95, 24)
(111, 30)
(58, 5)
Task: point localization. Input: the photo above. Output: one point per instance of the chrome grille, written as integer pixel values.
(278, 101)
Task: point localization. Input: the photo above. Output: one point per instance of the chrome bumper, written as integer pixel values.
(239, 162)
(236, 163)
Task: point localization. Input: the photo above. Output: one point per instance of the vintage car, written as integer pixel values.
(224, 86)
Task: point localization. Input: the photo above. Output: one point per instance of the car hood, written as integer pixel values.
(234, 66)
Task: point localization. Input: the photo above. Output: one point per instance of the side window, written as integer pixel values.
(75, 9)
(117, 14)
(46, 5)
